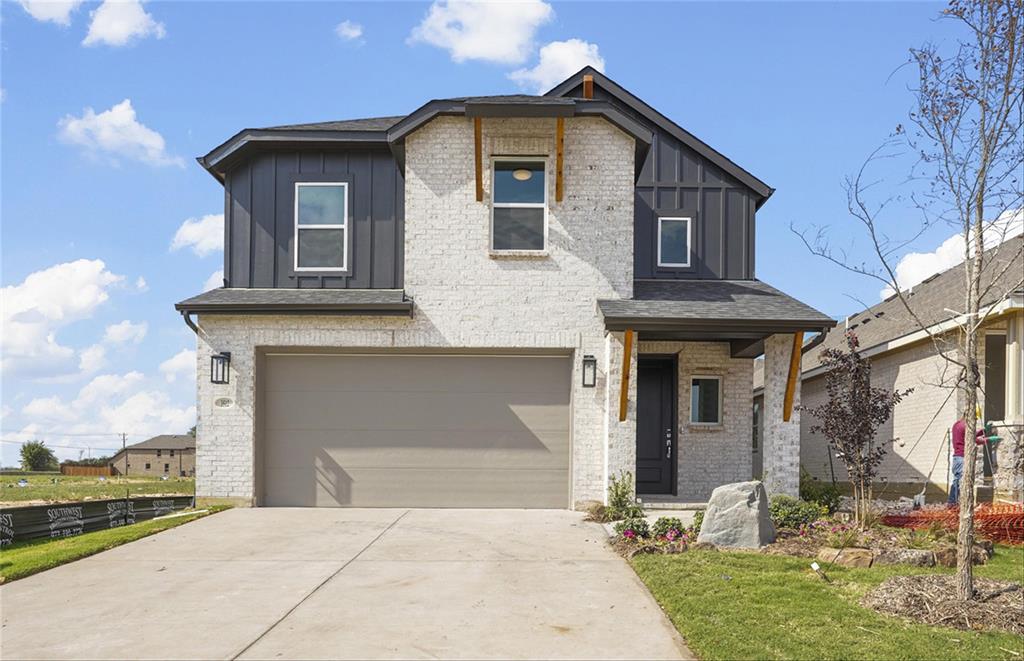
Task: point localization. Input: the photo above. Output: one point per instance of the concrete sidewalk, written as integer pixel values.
(345, 584)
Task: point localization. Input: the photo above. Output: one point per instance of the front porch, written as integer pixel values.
(689, 394)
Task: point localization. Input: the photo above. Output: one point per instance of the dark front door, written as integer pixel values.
(655, 426)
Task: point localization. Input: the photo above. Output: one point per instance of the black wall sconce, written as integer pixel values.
(219, 364)
(589, 371)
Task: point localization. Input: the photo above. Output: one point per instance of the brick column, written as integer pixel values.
(781, 449)
(620, 436)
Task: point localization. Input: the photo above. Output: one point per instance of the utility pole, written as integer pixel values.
(124, 440)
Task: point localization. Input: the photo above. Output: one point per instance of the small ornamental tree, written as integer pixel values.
(850, 418)
(35, 456)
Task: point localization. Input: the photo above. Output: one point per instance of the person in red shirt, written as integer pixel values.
(959, 432)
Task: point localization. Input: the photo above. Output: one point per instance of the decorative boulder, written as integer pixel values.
(846, 557)
(913, 557)
(737, 516)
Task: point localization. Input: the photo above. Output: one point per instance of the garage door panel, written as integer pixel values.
(415, 431)
(405, 410)
(420, 487)
(410, 449)
(376, 373)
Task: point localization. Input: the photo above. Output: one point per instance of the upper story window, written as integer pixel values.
(519, 206)
(706, 400)
(674, 242)
(321, 226)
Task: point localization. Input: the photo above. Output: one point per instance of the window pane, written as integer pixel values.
(704, 400)
(321, 248)
(321, 205)
(518, 229)
(519, 182)
(675, 248)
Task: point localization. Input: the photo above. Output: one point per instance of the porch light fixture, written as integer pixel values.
(219, 364)
(522, 174)
(589, 371)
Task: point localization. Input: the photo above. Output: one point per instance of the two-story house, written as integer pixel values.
(490, 302)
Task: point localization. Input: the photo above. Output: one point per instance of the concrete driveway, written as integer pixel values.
(345, 584)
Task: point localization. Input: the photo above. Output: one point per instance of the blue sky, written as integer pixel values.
(92, 200)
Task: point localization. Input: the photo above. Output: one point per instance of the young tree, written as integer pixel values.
(35, 456)
(851, 416)
(967, 134)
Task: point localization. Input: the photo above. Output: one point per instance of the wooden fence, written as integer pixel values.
(72, 469)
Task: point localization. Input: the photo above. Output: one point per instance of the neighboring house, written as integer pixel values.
(492, 301)
(168, 454)
(904, 357)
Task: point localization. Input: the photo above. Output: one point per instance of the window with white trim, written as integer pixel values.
(321, 226)
(706, 400)
(519, 205)
(674, 238)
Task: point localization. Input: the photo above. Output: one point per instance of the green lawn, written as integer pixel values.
(55, 488)
(751, 606)
(31, 557)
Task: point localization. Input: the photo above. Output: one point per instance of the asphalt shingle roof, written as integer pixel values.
(243, 299)
(166, 442)
(930, 300)
(750, 300)
(364, 124)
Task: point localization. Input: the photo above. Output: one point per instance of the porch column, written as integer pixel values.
(781, 451)
(1013, 429)
(620, 441)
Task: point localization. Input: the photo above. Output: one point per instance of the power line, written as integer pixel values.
(63, 447)
(70, 434)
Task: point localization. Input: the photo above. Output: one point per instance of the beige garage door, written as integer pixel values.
(415, 431)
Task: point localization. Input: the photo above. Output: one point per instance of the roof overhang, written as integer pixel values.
(763, 190)
(642, 136)
(240, 301)
(247, 141)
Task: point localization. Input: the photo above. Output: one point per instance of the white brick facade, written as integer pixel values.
(781, 469)
(464, 297)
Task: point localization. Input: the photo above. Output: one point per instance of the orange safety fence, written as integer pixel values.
(1002, 523)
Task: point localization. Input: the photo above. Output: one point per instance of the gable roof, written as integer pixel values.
(164, 442)
(364, 124)
(763, 190)
(932, 301)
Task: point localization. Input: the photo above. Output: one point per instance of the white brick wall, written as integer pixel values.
(781, 451)
(464, 297)
(708, 457)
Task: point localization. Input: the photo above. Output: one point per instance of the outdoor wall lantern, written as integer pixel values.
(589, 371)
(219, 364)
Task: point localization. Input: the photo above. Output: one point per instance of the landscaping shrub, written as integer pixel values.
(789, 512)
(814, 490)
(621, 500)
(667, 526)
(633, 528)
(698, 518)
(843, 535)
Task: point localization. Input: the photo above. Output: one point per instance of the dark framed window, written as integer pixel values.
(674, 239)
(147, 465)
(706, 400)
(158, 452)
(321, 226)
(172, 453)
(519, 205)
(167, 467)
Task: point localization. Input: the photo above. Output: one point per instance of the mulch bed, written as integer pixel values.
(929, 598)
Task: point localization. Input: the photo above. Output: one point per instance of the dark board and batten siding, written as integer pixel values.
(260, 219)
(677, 181)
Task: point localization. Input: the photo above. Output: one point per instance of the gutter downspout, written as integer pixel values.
(187, 316)
(818, 339)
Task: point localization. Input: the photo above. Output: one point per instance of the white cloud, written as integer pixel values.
(499, 32)
(116, 133)
(141, 285)
(121, 22)
(125, 332)
(44, 302)
(215, 281)
(349, 30)
(181, 363)
(203, 235)
(108, 404)
(56, 11)
(92, 359)
(558, 61)
(913, 268)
